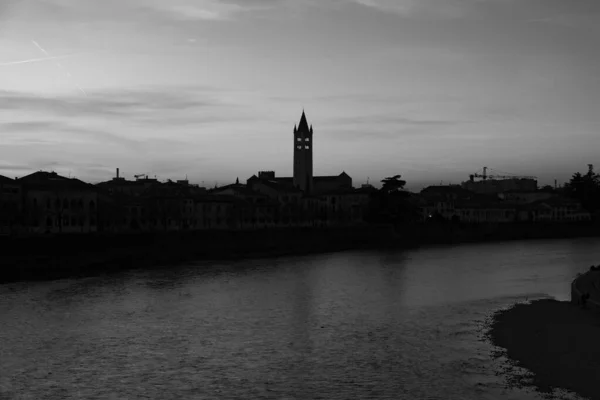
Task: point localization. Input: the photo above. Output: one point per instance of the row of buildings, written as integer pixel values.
(455, 203)
(45, 202)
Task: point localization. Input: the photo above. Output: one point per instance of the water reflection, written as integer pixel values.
(345, 325)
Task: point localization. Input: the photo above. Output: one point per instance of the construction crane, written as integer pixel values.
(485, 176)
(138, 176)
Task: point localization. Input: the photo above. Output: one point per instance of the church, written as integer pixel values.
(303, 179)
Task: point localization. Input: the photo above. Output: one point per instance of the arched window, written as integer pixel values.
(307, 139)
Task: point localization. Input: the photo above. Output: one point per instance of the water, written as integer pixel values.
(353, 325)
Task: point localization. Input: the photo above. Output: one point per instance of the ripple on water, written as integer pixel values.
(349, 325)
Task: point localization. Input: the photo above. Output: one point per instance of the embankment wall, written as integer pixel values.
(43, 258)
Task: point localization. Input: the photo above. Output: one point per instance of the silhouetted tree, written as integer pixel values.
(392, 184)
(585, 188)
(391, 203)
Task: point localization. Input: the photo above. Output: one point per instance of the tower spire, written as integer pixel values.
(303, 126)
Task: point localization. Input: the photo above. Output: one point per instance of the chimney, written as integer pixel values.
(117, 173)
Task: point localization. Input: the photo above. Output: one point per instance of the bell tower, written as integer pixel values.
(303, 151)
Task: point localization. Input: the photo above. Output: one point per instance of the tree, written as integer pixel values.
(392, 204)
(392, 184)
(585, 189)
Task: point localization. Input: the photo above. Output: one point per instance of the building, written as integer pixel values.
(56, 204)
(493, 186)
(303, 178)
(455, 203)
(525, 197)
(303, 156)
(10, 205)
(121, 185)
(555, 209)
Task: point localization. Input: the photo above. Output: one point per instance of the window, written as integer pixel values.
(299, 139)
(298, 147)
(92, 205)
(307, 139)
(307, 147)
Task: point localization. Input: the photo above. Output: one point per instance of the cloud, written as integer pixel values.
(156, 12)
(386, 119)
(390, 127)
(420, 8)
(14, 167)
(17, 130)
(146, 105)
(197, 10)
(549, 11)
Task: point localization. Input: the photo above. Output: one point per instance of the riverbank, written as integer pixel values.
(455, 233)
(557, 341)
(65, 256)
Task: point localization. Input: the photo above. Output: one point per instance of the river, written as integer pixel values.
(350, 325)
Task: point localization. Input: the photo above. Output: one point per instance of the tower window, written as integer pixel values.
(299, 147)
(307, 147)
(307, 139)
(299, 139)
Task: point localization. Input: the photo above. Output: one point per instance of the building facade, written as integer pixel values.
(10, 205)
(56, 204)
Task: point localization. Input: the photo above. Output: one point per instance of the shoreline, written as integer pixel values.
(61, 257)
(77, 256)
(556, 341)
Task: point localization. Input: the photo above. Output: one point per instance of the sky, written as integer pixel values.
(432, 90)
